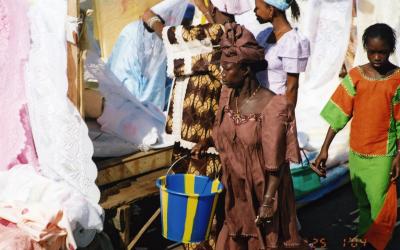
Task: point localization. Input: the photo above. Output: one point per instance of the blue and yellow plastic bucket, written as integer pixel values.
(188, 205)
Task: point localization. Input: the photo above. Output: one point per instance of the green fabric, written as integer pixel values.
(370, 181)
(334, 115)
(349, 86)
(393, 134)
(396, 101)
(396, 97)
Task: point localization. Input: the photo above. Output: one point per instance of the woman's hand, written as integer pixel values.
(395, 171)
(266, 212)
(200, 149)
(319, 166)
(147, 15)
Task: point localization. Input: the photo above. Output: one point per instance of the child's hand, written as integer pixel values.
(319, 166)
(395, 171)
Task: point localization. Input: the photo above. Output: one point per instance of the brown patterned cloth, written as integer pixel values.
(193, 57)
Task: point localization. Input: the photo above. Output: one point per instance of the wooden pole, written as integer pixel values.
(73, 71)
(144, 228)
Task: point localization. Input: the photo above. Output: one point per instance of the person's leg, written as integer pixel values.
(377, 183)
(356, 164)
(370, 179)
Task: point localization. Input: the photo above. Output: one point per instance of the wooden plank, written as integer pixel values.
(139, 188)
(72, 60)
(112, 15)
(121, 168)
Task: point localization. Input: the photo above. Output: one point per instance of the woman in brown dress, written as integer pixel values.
(256, 140)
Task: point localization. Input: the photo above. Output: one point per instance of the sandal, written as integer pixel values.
(321, 172)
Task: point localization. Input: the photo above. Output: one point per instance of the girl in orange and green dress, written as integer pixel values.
(369, 96)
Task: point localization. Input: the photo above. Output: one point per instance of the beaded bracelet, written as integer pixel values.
(152, 21)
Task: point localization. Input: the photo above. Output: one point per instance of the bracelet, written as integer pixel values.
(267, 205)
(269, 196)
(152, 21)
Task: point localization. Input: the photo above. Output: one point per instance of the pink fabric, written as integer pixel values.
(16, 137)
(234, 7)
(44, 224)
(15, 238)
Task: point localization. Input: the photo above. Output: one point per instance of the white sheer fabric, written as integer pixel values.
(23, 184)
(329, 38)
(61, 136)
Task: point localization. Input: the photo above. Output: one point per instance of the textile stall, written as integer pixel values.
(48, 196)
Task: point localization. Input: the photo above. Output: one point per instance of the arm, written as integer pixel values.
(320, 162)
(292, 88)
(395, 171)
(157, 25)
(205, 6)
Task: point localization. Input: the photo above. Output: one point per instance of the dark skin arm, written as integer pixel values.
(395, 170)
(320, 162)
(267, 209)
(157, 26)
(292, 86)
(205, 10)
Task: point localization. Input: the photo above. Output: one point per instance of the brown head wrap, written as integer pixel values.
(239, 45)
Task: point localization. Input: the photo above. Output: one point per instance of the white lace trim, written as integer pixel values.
(61, 136)
(183, 50)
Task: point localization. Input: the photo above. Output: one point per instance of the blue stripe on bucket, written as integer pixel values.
(202, 185)
(176, 183)
(177, 205)
(202, 218)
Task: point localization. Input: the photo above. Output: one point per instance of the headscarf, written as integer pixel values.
(238, 45)
(280, 4)
(233, 7)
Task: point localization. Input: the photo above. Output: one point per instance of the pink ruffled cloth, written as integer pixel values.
(234, 7)
(40, 224)
(15, 238)
(16, 137)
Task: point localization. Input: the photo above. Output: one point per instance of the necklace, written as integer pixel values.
(247, 100)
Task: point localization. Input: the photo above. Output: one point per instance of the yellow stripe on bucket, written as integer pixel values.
(189, 184)
(165, 212)
(190, 214)
(214, 189)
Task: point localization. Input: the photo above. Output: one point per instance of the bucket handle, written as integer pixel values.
(189, 155)
(175, 162)
(307, 160)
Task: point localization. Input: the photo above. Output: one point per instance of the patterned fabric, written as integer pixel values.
(196, 90)
(356, 98)
(193, 60)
